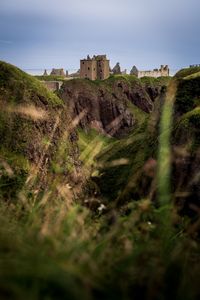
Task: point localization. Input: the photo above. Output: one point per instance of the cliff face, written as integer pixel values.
(108, 105)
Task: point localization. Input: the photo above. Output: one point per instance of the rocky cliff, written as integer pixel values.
(110, 106)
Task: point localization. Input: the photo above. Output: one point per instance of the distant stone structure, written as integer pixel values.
(75, 75)
(163, 71)
(45, 73)
(58, 72)
(116, 70)
(94, 68)
(134, 71)
(195, 66)
(124, 72)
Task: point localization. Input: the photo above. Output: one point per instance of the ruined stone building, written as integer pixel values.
(163, 71)
(94, 68)
(116, 70)
(58, 72)
(45, 73)
(195, 66)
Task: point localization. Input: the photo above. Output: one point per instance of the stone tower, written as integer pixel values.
(94, 68)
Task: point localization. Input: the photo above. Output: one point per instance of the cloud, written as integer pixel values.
(144, 32)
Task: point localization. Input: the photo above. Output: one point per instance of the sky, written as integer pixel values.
(38, 34)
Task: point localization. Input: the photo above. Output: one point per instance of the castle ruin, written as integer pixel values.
(163, 71)
(58, 72)
(94, 68)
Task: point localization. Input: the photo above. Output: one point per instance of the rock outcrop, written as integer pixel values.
(110, 106)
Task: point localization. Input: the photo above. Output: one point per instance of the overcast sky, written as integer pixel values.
(57, 33)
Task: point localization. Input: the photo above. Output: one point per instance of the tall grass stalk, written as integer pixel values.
(164, 153)
(164, 168)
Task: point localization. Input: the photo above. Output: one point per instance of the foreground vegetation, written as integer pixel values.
(54, 251)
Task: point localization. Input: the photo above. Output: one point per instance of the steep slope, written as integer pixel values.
(130, 164)
(111, 106)
(35, 140)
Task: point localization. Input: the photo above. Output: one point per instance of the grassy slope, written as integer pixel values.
(30, 131)
(19, 82)
(51, 78)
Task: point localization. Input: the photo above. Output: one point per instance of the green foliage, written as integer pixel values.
(130, 79)
(164, 150)
(121, 164)
(29, 113)
(187, 127)
(51, 78)
(187, 72)
(188, 95)
(22, 86)
(86, 138)
(160, 81)
(53, 251)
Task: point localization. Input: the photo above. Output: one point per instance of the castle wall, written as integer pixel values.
(88, 69)
(163, 71)
(103, 69)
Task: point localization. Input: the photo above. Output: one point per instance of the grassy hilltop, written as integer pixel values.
(87, 216)
(34, 128)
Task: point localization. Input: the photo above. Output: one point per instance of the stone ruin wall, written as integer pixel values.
(163, 71)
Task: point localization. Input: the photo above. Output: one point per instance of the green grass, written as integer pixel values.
(29, 113)
(187, 72)
(187, 97)
(20, 82)
(51, 78)
(53, 251)
(160, 81)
